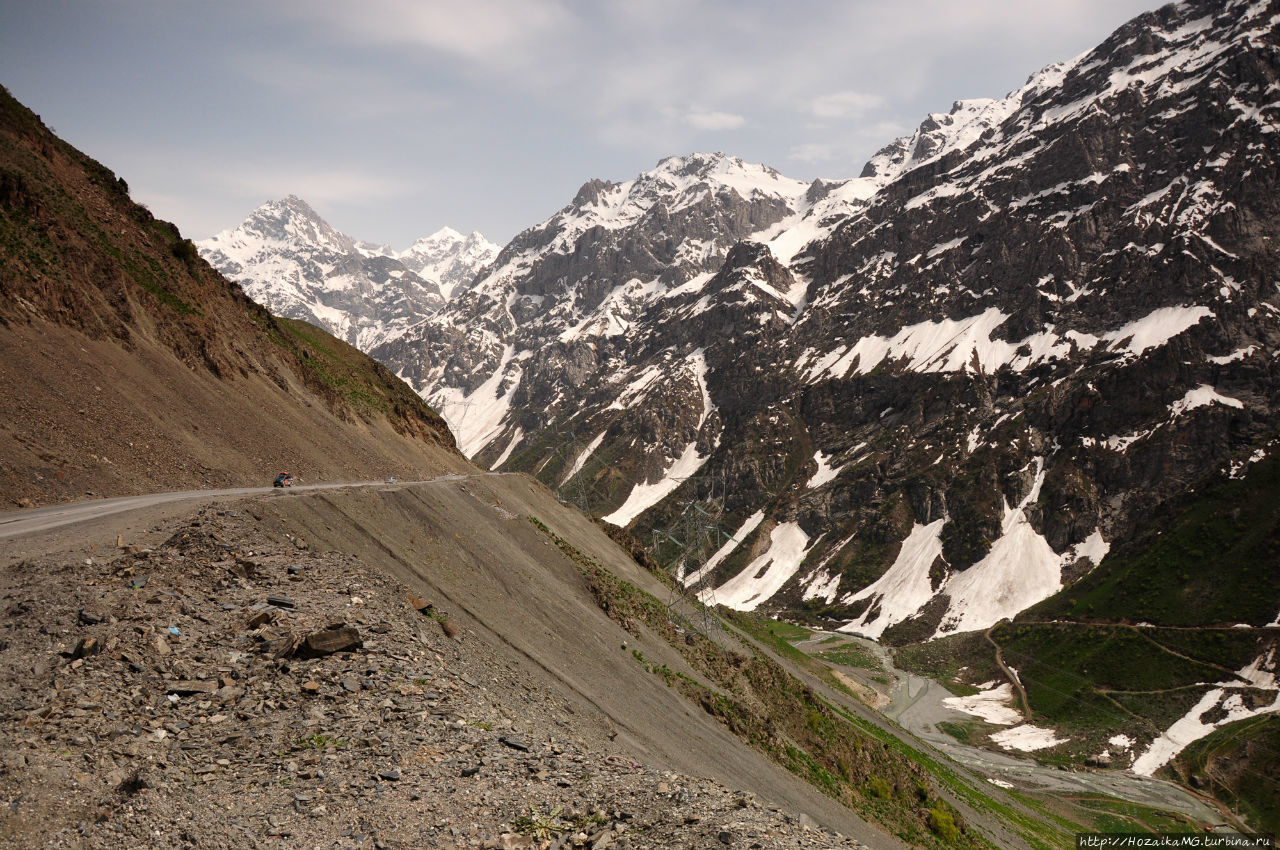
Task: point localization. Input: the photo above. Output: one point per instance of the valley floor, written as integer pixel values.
(918, 704)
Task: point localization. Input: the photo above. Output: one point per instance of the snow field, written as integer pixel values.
(748, 526)
(904, 588)
(965, 345)
(1027, 738)
(993, 705)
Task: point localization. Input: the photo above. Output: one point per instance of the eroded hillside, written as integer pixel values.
(128, 365)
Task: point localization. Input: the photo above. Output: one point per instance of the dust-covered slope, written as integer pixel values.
(472, 550)
(153, 694)
(128, 365)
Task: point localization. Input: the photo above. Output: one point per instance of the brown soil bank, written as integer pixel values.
(128, 365)
(470, 547)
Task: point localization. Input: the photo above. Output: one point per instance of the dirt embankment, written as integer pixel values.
(87, 418)
(157, 696)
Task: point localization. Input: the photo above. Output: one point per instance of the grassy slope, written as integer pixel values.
(1205, 559)
(1042, 821)
(1239, 765)
(1129, 647)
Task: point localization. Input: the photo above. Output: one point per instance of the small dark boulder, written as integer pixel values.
(338, 637)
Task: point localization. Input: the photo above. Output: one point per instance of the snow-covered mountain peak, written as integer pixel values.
(676, 185)
(449, 258)
(443, 238)
(939, 134)
(685, 177)
(290, 220)
(290, 259)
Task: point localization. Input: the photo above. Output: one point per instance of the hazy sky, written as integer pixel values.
(397, 117)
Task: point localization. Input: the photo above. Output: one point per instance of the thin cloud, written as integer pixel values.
(478, 29)
(811, 153)
(845, 104)
(707, 120)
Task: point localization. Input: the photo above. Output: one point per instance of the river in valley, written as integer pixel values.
(916, 704)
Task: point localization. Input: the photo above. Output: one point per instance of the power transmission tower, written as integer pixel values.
(692, 538)
(569, 452)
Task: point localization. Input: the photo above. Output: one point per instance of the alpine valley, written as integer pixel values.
(1014, 385)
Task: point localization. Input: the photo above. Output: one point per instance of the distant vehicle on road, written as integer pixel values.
(284, 479)
(391, 479)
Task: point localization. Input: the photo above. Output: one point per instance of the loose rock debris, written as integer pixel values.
(178, 697)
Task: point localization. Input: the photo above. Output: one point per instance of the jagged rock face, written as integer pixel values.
(290, 260)
(559, 309)
(919, 400)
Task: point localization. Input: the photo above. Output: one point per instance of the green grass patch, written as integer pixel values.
(1205, 558)
(852, 655)
(1240, 764)
(758, 700)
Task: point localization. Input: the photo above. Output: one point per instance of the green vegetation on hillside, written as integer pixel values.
(1206, 558)
(1240, 765)
(764, 705)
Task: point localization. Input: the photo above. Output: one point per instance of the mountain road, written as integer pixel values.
(35, 520)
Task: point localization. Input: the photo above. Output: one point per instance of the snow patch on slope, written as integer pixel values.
(581, 459)
(764, 576)
(993, 705)
(748, 526)
(956, 345)
(476, 419)
(905, 586)
(1027, 738)
(645, 496)
(1224, 702)
(1020, 570)
(825, 473)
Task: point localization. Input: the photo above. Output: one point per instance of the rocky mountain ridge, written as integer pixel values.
(971, 369)
(919, 400)
(291, 261)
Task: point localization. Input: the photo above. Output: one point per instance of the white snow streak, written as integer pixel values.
(748, 526)
(1092, 547)
(582, 458)
(1156, 328)
(1260, 673)
(476, 419)
(1202, 396)
(1027, 738)
(506, 453)
(645, 496)
(956, 345)
(904, 587)
(1020, 570)
(825, 472)
(991, 705)
(764, 576)
(1238, 354)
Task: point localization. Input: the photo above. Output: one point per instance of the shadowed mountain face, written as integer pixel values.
(920, 400)
(130, 365)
